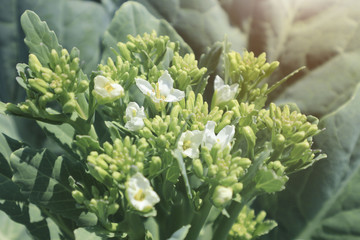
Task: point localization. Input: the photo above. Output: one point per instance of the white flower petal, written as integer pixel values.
(189, 143)
(140, 194)
(175, 96)
(134, 116)
(191, 153)
(222, 196)
(209, 137)
(145, 87)
(225, 136)
(165, 83)
(224, 92)
(218, 82)
(105, 90)
(135, 124)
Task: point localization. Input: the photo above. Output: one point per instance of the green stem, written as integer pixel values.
(199, 220)
(225, 224)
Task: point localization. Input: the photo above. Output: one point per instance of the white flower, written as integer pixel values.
(222, 195)
(105, 90)
(163, 91)
(189, 143)
(134, 116)
(140, 194)
(223, 92)
(223, 138)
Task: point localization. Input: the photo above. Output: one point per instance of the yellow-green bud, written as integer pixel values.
(228, 181)
(155, 165)
(112, 208)
(146, 133)
(237, 187)
(198, 168)
(78, 196)
(249, 136)
(34, 63)
(124, 51)
(297, 137)
(69, 106)
(117, 176)
(213, 169)
(299, 149)
(108, 148)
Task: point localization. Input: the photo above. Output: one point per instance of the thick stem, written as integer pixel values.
(225, 224)
(199, 220)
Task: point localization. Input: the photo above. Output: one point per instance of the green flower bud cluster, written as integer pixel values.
(248, 226)
(196, 110)
(146, 51)
(185, 71)
(121, 71)
(118, 160)
(219, 167)
(162, 132)
(102, 204)
(61, 80)
(291, 136)
(248, 71)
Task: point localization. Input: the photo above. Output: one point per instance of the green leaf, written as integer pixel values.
(267, 180)
(63, 135)
(12, 230)
(81, 233)
(321, 35)
(181, 233)
(201, 23)
(12, 201)
(39, 38)
(134, 19)
(323, 202)
(43, 178)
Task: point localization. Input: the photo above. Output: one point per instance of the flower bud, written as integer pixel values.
(228, 181)
(297, 137)
(78, 196)
(155, 165)
(222, 196)
(69, 106)
(299, 149)
(249, 136)
(124, 51)
(34, 63)
(198, 168)
(112, 208)
(237, 187)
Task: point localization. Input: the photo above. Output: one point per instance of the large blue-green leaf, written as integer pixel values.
(10, 230)
(12, 201)
(323, 202)
(201, 23)
(43, 178)
(134, 19)
(321, 35)
(76, 23)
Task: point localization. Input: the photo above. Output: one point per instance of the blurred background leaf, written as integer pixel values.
(134, 19)
(321, 35)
